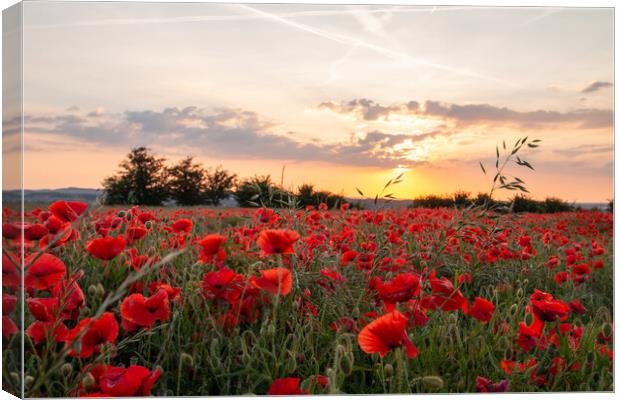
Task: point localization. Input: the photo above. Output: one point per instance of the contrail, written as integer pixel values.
(346, 40)
(224, 18)
(544, 14)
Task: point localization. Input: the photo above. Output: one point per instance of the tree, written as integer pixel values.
(187, 182)
(141, 180)
(218, 183)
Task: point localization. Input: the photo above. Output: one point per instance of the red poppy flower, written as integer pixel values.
(482, 309)
(182, 226)
(576, 307)
(71, 294)
(386, 333)
(134, 380)
(445, 296)
(530, 337)
(11, 231)
(138, 311)
(221, 284)
(8, 327)
(8, 303)
(560, 277)
(172, 292)
(67, 211)
(400, 289)
(34, 232)
(275, 281)
(55, 225)
(549, 310)
(580, 273)
(10, 273)
(145, 217)
(285, 386)
(212, 246)
(331, 274)
(44, 272)
(484, 385)
(134, 234)
(43, 309)
(417, 313)
(39, 331)
(106, 248)
(277, 241)
(95, 332)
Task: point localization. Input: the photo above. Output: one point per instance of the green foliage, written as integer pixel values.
(218, 184)
(141, 180)
(307, 196)
(260, 191)
(186, 182)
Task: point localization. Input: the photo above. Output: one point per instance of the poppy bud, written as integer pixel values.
(331, 375)
(249, 337)
(607, 330)
(214, 347)
(290, 365)
(88, 382)
(432, 382)
(15, 377)
(92, 290)
(160, 369)
(513, 309)
(526, 282)
(121, 213)
(128, 216)
(271, 330)
(148, 225)
(356, 312)
(100, 290)
(346, 364)
(66, 369)
(388, 370)
(529, 318)
(519, 293)
(28, 380)
(187, 359)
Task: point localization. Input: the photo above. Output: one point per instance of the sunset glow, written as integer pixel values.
(343, 96)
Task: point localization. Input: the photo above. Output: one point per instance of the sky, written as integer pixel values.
(343, 97)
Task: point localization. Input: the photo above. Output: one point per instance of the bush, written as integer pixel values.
(261, 191)
(555, 205)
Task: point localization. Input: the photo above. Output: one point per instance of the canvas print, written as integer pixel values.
(205, 199)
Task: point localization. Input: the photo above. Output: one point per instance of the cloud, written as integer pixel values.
(585, 150)
(473, 114)
(226, 133)
(596, 86)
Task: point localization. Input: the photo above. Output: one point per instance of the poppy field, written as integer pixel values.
(140, 301)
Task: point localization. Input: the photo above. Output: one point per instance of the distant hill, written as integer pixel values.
(90, 195)
(51, 195)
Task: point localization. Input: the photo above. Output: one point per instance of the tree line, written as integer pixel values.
(144, 178)
(518, 203)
